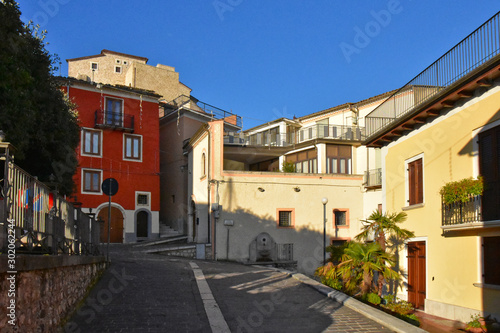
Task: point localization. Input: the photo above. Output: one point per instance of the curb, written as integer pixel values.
(378, 316)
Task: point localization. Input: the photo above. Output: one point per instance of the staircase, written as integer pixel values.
(167, 231)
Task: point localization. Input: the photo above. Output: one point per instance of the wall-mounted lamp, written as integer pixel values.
(261, 189)
(296, 189)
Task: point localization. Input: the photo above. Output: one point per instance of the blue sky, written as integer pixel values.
(264, 59)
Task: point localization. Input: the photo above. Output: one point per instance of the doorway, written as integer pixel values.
(142, 224)
(193, 209)
(116, 234)
(416, 274)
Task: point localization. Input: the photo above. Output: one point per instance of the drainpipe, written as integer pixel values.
(208, 187)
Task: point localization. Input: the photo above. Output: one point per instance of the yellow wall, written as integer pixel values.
(447, 146)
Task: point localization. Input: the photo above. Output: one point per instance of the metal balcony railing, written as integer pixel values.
(334, 132)
(337, 132)
(373, 178)
(479, 47)
(114, 120)
(462, 212)
(215, 113)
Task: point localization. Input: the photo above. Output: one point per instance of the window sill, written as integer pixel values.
(420, 205)
(487, 286)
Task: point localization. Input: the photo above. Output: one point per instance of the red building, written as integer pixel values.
(120, 140)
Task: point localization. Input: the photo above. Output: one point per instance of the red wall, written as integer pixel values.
(131, 176)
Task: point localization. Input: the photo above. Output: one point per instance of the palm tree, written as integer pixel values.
(381, 226)
(358, 264)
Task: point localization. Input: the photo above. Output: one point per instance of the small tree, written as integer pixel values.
(288, 166)
(356, 267)
(35, 116)
(381, 226)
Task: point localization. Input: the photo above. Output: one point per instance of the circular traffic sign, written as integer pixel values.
(109, 186)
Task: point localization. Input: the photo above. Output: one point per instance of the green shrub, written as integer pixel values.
(398, 305)
(288, 166)
(373, 298)
(333, 283)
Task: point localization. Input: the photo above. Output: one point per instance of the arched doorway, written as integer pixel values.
(116, 234)
(141, 219)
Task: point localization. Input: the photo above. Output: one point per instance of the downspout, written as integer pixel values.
(208, 186)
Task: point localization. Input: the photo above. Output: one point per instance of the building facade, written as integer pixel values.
(119, 140)
(450, 133)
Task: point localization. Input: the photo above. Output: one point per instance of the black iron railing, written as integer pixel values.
(475, 50)
(373, 178)
(215, 113)
(41, 221)
(114, 120)
(462, 212)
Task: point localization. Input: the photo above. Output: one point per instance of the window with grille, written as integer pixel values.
(285, 218)
(340, 217)
(142, 199)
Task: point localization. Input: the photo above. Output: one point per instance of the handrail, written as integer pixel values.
(482, 45)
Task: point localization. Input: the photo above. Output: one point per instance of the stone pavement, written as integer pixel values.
(152, 293)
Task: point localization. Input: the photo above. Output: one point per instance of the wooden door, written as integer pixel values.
(489, 166)
(116, 234)
(142, 224)
(416, 274)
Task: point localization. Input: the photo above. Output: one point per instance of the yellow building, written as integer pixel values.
(450, 132)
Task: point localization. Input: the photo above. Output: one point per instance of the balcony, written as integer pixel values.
(114, 120)
(468, 64)
(373, 178)
(314, 132)
(458, 213)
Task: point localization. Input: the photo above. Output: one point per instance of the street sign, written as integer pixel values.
(109, 186)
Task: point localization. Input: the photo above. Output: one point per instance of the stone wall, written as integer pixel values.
(47, 289)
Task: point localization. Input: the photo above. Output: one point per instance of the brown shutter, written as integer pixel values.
(491, 254)
(489, 165)
(415, 182)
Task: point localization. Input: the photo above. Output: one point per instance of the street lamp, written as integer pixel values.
(324, 201)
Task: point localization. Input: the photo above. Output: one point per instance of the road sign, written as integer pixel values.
(109, 186)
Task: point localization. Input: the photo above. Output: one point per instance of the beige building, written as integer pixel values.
(117, 68)
(447, 134)
(241, 201)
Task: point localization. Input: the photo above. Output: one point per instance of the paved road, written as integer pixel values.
(152, 293)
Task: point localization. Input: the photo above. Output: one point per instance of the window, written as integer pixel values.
(203, 165)
(114, 108)
(415, 181)
(491, 255)
(91, 142)
(118, 69)
(285, 218)
(91, 181)
(118, 61)
(94, 66)
(341, 217)
(142, 199)
(305, 161)
(125, 62)
(338, 159)
(132, 147)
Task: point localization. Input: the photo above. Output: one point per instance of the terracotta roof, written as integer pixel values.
(104, 52)
(117, 87)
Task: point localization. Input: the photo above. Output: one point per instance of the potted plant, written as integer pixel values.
(461, 190)
(476, 324)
